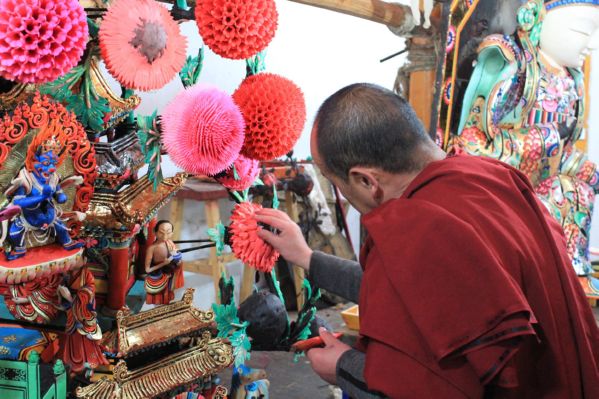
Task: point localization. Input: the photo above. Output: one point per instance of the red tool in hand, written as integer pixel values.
(307, 344)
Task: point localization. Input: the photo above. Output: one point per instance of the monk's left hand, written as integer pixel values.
(324, 360)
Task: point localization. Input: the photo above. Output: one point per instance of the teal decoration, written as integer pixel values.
(241, 345)
(530, 17)
(193, 65)
(217, 235)
(255, 64)
(22, 380)
(226, 318)
(149, 138)
(86, 104)
(275, 197)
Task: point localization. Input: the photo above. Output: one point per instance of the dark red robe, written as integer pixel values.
(468, 292)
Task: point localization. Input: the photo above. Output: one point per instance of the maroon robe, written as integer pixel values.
(468, 292)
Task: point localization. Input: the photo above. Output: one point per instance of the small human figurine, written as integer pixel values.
(36, 191)
(80, 344)
(163, 266)
(249, 383)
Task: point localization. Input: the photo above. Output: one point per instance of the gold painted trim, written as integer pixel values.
(207, 358)
(134, 204)
(167, 322)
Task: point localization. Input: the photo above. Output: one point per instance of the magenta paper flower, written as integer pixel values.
(40, 40)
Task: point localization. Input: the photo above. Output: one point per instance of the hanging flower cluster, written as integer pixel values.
(247, 246)
(274, 111)
(40, 40)
(236, 29)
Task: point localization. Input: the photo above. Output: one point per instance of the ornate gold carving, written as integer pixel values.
(136, 204)
(120, 107)
(167, 322)
(18, 93)
(156, 379)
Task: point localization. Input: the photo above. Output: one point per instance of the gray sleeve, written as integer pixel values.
(339, 276)
(350, 376)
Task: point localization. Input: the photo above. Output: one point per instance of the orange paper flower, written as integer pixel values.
(236, 29)
(247, 246)
(274, 111)
(141, 44)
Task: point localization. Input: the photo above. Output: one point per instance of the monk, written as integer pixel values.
(464, 283)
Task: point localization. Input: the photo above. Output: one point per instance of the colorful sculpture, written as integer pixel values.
(525, 106)
(37, 190)
(80, 344)
(163, 266)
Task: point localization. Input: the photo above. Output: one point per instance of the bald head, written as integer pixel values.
(368, 125)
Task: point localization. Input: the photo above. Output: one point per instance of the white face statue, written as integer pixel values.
(570, 33)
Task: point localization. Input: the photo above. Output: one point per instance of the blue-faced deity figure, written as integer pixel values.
(38, 192)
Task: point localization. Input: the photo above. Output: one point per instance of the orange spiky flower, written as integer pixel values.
(51, 138)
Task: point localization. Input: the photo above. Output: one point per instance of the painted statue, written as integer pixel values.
(80, 344)
(36, 192)
(249, 383)
(524, 105)
(163, 266)
(35, 301)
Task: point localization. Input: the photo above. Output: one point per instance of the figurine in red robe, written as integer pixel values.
(80, 344)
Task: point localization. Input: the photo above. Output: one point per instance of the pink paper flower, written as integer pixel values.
(40, 40)
(202, 130)
(246, 169)
(141, 44)
(247, 246)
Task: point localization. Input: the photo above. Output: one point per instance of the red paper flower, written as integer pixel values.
(246, 169)
(40, 40)
(202, 130)
(247, 246)
(141, 44)
(274, 111)
(236, 29)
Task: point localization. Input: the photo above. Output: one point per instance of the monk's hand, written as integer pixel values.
(288, 239)
(324, 360)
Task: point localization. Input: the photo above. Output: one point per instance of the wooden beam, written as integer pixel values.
(373, 10)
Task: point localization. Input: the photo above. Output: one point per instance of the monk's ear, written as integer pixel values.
(364, 179)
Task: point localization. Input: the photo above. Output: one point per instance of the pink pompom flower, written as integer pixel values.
(202, 130)
(40, 40)
(241, 175)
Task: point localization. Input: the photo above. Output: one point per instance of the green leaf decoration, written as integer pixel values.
(149, 138)
(226, 318)
(255, 64)
(241, 345)
(76, 91)
(191, 70)
(60, 89)
(275, 197)
(277, 285)
(93, 28)
(217, 235)
(301, 327)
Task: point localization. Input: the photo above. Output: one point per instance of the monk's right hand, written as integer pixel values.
(288, 240)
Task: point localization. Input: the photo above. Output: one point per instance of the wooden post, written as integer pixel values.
(298, 272)
(391, 14)
(216, 263)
